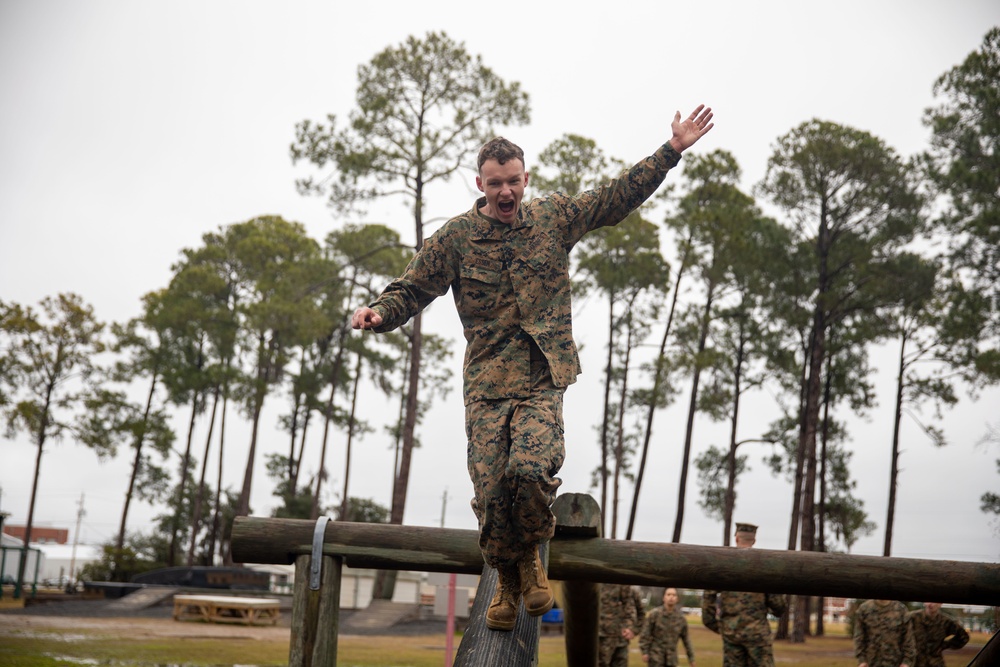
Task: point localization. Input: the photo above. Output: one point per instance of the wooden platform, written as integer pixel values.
(226, 609)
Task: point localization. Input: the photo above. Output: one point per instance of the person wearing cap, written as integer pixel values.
(664, 627)
(741, 618)
(933, 632)
(883, 636)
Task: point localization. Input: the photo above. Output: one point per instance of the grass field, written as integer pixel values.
(44, 643)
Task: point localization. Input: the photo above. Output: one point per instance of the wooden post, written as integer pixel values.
(989, 655)
(315, 615)
(579, 515)
(482, 647)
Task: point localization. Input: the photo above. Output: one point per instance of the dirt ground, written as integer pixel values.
(23, 624)
(99, 616)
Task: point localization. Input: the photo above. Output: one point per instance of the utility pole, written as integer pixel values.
(76, 539)
(449, 627)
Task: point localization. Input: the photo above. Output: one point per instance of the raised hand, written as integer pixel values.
(691, 129)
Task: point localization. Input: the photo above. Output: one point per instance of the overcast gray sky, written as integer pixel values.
(128, 130)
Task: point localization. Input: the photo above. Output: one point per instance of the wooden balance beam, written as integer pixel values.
(581, 559)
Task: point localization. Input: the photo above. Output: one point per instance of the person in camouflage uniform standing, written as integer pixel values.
(617, 625)
(741, 618)
(882, 635)
(933, 632)
(507, 266)
(663, 628)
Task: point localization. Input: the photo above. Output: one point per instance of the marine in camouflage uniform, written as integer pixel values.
(664, 627)
(741, 618)
(934, 631)
(507, 265)
(882, 634)
(618, 623)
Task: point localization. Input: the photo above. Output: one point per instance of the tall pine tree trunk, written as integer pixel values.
(345, 498)
(199, 491)
(730, 500)
(136, 467)
(214, 537)
(894, 468)
(658, 381)
(692, 411)
(607, 417)
(175, 521)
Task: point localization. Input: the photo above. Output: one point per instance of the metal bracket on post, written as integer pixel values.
(316, 563)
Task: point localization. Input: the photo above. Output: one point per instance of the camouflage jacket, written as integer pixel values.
(617, 612)
(882, 635)
(741, 618)
(660, 634)
(933, 634)
(511, 283)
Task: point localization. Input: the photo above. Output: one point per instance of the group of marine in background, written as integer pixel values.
(886, 633)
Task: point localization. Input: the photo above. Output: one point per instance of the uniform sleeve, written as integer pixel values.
(709, 613)
(613, 201)
(959, 636)
(429, 275)
(909, 644)
(640, 610)
(687, 641)
(629, 610)
(777, 604)
(646, 638)
(861, 638)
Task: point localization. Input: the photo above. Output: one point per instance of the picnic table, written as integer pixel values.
(226, 609)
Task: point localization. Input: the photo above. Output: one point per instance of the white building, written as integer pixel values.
(61, 563)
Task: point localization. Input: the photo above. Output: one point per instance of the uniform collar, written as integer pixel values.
(483, 227)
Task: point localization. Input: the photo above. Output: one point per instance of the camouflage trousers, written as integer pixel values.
(515, 449)
(612, 652)
(738, 655)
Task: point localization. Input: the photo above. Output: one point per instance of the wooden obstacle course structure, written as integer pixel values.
(580, 559)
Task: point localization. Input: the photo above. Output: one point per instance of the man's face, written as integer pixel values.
(669, 598)
(932, 608)
(503, 185)
(745, 540)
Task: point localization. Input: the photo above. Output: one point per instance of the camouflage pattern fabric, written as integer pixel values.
(741, 619)
(882, 634)
(515, 449)
(617, 614)
(612, 656)
(640, 609)
(660, 634)
(933, 634)
(738, 655)
(511, 283)
(511, 287)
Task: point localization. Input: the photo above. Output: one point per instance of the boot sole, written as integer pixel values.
(538, 611)
(499, 625)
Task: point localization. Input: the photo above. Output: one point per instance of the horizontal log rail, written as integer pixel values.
(595, 559)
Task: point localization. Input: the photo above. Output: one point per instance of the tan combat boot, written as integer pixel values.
(534, 584)
(502, 611)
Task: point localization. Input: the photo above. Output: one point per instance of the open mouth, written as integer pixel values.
(505, 207)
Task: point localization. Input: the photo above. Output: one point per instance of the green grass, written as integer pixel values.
(53, 647)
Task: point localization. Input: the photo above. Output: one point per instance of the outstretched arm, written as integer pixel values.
(691, 129)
